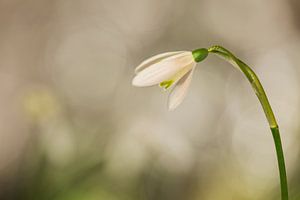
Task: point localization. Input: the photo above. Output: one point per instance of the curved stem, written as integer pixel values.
(281, 163)
(260, 93)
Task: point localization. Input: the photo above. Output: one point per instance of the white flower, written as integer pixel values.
(169, 69)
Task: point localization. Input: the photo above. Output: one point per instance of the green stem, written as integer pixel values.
(260, 93)
(281, 164)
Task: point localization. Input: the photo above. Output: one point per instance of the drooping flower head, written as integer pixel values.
(170, 70)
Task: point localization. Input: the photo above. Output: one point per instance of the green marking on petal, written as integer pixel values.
(166, 84)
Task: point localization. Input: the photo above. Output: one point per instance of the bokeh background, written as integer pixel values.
(73, 127)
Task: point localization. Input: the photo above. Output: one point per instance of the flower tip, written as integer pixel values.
(172, 106)
(135, 82)
(139, 81)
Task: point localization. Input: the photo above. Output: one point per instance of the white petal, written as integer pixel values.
(180, 90)
(155, 59)
(163, 70)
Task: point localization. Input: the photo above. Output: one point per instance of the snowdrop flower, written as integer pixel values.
(170, 70)
(175, 69)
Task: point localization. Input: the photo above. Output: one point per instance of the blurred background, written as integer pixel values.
(73, 127)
